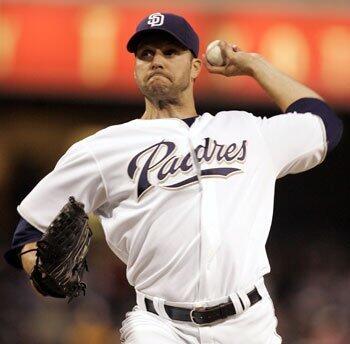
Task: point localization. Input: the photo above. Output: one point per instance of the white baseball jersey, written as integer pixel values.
(187, 209)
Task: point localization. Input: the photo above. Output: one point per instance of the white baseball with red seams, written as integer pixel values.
(213, 54)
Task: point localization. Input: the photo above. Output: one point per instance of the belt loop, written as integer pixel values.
(244, 298)
(236, 303)
(158, 304)
(140, 300)
(261, 288)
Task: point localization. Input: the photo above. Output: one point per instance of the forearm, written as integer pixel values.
(291, 95)
(283, 89)
(29, 258)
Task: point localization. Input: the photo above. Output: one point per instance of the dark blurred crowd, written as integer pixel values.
(311, 294)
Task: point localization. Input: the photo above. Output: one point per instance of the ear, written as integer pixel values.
(195, 68)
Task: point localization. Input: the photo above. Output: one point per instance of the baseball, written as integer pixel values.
(213, 54)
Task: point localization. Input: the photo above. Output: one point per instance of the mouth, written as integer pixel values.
(158, 74)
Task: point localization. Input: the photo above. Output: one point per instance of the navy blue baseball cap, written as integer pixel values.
(174, 25)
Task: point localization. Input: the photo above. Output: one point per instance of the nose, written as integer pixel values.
(158, 60)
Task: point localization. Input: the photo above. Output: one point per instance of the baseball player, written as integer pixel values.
(186, 200)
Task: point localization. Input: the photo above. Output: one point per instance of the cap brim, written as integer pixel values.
(135, 40)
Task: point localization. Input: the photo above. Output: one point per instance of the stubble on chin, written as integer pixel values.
(160, 92)
(157, 91)
(163, 91)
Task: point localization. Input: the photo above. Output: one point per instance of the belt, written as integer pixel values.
(203, 315)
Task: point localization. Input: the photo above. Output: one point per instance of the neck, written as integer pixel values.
(182, 107)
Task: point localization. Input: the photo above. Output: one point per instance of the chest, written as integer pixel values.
(171, 156)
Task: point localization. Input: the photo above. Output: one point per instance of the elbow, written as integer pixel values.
(334, 132)
(332, 123)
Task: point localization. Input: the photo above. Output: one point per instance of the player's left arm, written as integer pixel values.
(76, 174)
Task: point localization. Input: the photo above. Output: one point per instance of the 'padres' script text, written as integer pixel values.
(162, 160)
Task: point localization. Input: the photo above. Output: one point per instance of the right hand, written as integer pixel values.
(29, 258)
(237, 62)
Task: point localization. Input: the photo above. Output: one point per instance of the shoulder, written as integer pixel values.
(112, 132)
(104, 137)
(237, 118)
(85, 148)
(236, 115)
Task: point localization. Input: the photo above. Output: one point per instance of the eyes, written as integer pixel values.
(170, 52)
(147, 54)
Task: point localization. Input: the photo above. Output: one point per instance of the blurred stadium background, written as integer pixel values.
(65, 73)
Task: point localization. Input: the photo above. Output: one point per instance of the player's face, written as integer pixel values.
(164, 68)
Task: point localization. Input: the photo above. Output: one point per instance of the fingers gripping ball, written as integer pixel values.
(214, 55)
(61, 253)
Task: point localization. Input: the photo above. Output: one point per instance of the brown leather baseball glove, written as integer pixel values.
(61, 254)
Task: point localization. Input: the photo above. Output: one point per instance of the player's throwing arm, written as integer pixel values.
(282, 88)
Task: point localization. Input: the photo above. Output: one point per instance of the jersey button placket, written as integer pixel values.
(210, 235)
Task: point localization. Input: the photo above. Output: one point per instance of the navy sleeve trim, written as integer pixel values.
(24, 234)
(332, 123)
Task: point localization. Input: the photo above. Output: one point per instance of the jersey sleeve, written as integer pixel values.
(296, 141)
(76, 174)
(25, 233)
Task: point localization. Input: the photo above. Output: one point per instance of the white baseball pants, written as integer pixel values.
(256, 325)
